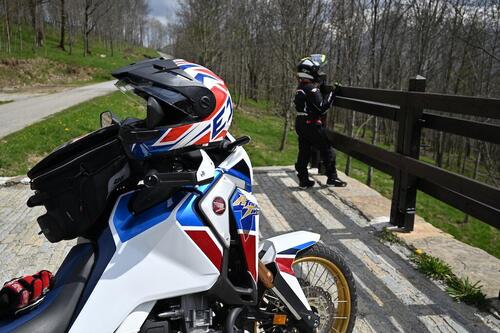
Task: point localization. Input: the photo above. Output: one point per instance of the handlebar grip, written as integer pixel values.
(154, 178)
(238, 142)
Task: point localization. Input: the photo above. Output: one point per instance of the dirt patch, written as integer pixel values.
(17, 74)
(34, 159)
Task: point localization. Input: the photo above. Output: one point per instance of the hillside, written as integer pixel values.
(48, 66)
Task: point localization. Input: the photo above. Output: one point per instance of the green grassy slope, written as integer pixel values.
(24, 66)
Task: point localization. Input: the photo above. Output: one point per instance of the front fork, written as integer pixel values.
(271, 277)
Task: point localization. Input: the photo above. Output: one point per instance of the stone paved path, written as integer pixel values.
(393, 296)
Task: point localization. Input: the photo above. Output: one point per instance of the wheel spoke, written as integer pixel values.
(327, 291)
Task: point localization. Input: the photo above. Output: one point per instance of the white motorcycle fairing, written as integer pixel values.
(160, 262)
(168, 249)
(179, 248)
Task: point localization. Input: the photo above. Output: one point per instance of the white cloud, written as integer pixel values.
(163, 10)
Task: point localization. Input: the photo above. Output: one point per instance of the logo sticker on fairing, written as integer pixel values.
(219, 205)
(245, 213)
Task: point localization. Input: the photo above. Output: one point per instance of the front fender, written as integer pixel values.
(287, 244)
(281, 251)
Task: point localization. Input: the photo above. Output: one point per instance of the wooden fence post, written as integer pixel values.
(404, 192)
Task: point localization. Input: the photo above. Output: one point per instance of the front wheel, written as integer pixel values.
(329, 287)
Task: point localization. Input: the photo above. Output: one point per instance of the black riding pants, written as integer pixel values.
(313, 135)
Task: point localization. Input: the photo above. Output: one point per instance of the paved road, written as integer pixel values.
(25, 111)
(393, 296)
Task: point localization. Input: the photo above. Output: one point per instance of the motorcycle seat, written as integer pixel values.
(54, 313)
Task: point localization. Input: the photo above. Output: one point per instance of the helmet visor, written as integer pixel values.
(128, 91)
(140, 93)
(319, 59)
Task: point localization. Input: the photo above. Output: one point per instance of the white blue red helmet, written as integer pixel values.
(187, 105)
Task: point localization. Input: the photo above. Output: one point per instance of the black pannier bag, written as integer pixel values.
(74, 182)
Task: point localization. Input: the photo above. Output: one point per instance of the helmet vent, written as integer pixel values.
(205, 102)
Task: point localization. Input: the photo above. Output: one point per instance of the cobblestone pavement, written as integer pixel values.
(393, 296)
(22, 250)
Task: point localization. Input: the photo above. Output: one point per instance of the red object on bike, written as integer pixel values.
(21, 292)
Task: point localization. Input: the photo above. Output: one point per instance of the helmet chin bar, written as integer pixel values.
(154, 113)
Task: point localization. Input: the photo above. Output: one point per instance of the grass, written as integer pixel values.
(5, 102)
(432, 267)
(266, 132)
(49, 64)
(386, 235)
(461, 289)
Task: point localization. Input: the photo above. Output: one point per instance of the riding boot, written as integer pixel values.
(304, 181)
(334, 180)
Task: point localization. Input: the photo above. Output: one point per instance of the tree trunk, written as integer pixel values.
(63, 26)
(286, 129)
(86, 30)
(374, 141)
(439, 151)
(40, 35)
(33, 12)
(7, 24)
(350, 133)
(474, 176)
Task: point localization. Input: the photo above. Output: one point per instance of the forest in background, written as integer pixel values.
(454, 44)
(113, 23)
(255, 45)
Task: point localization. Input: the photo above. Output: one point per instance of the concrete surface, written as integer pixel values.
(465, 260)
(30, 109)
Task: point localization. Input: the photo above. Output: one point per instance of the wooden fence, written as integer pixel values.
(413, 110)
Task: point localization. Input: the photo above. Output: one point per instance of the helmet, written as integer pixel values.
(309, 67)
(187, 104)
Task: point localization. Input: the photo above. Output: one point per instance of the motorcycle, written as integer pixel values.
(177, 249)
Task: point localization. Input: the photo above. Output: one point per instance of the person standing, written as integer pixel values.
(312, 100)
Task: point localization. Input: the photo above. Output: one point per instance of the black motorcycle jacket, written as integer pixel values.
(310, 102)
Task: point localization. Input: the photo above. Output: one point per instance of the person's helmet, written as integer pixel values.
(310, 67)
(187, 104)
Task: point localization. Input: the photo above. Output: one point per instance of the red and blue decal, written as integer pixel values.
(284, 259)
(129, 225)
(245, 213)
(199, 233)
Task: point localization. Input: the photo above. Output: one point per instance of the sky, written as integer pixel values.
(163, 10)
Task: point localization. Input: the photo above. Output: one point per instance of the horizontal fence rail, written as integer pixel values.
(414, 110)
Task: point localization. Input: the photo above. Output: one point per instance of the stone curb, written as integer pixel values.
(12, 181)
